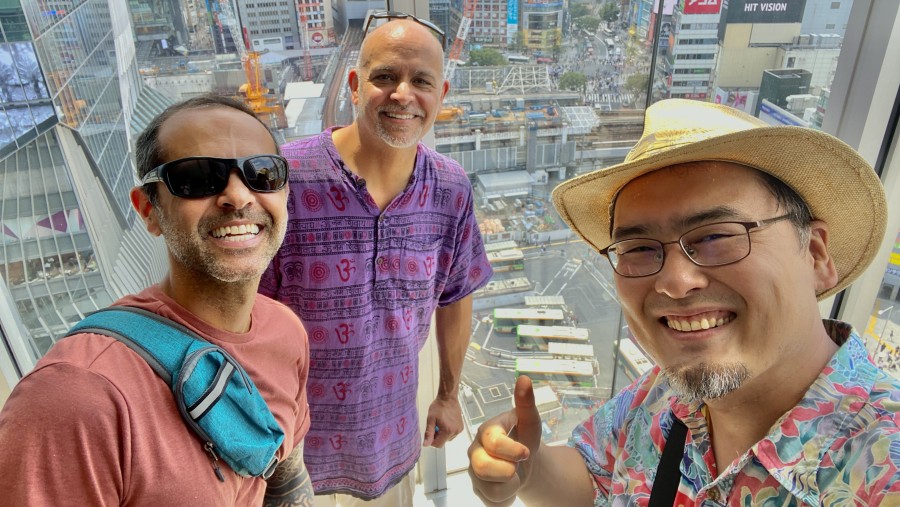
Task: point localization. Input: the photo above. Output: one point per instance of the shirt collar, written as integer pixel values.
(799, 440)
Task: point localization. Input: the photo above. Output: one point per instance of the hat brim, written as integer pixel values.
(835, 181)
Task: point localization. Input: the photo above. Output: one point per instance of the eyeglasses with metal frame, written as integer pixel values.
(389, 15)
(716, 244)
(195, 177)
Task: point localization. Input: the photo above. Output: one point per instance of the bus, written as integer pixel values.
(500, 245)
(539, 337)
(507, 260)
(506, 320)
(517, 59)
(633, 360)
(610, 44)
(501, 287)
(579, 351)
(557, 371)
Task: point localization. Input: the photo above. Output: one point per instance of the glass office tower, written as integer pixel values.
(72, 101)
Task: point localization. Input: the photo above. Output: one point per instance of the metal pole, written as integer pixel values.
(652, 71)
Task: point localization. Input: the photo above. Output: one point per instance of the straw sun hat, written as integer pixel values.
(839, 187)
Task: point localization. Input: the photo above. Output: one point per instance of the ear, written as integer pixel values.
(145, 210)
(353, 82)
(823, 265)
(445, 91)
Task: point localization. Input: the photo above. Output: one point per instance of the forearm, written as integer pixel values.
(558, 477)
(453, 330)
(290, 484)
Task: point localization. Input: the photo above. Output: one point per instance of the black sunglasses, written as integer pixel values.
(402, 15)
(205, 176)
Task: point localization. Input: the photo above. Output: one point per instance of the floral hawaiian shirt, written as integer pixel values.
(839, 446)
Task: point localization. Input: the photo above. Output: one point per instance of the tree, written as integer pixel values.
(520, 41)
(573, 81)
(637, 84)
(551, 42)
(578, 10)
(486, 57)
(609, 12)
(589, 23)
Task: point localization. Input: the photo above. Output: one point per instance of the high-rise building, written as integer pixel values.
(72, 101)
(269, 25)
(692, 58)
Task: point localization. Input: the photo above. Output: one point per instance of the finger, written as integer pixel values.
(498, 444)
(528, 419)
(430, 429)
(440, 439)
(441, 434)
(489, 468)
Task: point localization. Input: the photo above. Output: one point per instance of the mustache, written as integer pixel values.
(665, 304)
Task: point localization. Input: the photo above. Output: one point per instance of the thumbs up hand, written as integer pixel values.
(506, 446)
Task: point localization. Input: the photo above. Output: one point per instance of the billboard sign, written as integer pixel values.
(512, 21)
(702, 6)
(765, 11)
(774, 115)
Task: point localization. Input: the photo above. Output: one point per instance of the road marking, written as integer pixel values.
(488, 337)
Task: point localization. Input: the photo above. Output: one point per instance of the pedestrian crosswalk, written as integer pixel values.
(609, 98)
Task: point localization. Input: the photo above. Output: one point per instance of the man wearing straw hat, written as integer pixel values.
(723, 233)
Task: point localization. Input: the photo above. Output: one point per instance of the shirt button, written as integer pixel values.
(713, 494)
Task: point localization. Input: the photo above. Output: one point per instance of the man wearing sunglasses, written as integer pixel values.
(382, 235)
(723, 234)
(93, 424)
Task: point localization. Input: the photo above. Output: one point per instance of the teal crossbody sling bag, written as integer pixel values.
(216, 397)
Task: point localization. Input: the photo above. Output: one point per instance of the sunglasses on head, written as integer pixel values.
(389, 15)
(206, 176)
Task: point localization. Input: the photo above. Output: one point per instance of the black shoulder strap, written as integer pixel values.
(668, 473)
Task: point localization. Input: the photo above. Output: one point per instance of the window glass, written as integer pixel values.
(527, 111)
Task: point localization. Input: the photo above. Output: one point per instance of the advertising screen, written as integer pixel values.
(702, 6)
(765, 11)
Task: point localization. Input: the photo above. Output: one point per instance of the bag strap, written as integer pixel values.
(668, 472)
(163, 343)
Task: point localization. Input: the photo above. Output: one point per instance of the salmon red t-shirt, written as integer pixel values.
(92, 424)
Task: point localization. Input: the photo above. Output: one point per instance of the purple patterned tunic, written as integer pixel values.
(365, 283)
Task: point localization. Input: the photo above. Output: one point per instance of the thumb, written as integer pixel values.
(528, 425)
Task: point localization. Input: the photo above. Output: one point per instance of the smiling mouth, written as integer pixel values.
(399, 116)
(697, 323)
(236, 232)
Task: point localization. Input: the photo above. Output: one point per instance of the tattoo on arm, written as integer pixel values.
(290, 484)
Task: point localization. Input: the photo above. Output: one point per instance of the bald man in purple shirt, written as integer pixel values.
(381, 234)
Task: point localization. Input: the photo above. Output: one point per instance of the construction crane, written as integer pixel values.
(253, 92)
(456, 50)
(304, 27)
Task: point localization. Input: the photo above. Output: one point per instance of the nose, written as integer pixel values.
(679, 276)
(402, 93)
(236, 194)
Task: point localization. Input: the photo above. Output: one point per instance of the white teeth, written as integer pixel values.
(401, 116)
(696, 325)
(236, 232)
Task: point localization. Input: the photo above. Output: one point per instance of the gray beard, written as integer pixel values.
(707, 381)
